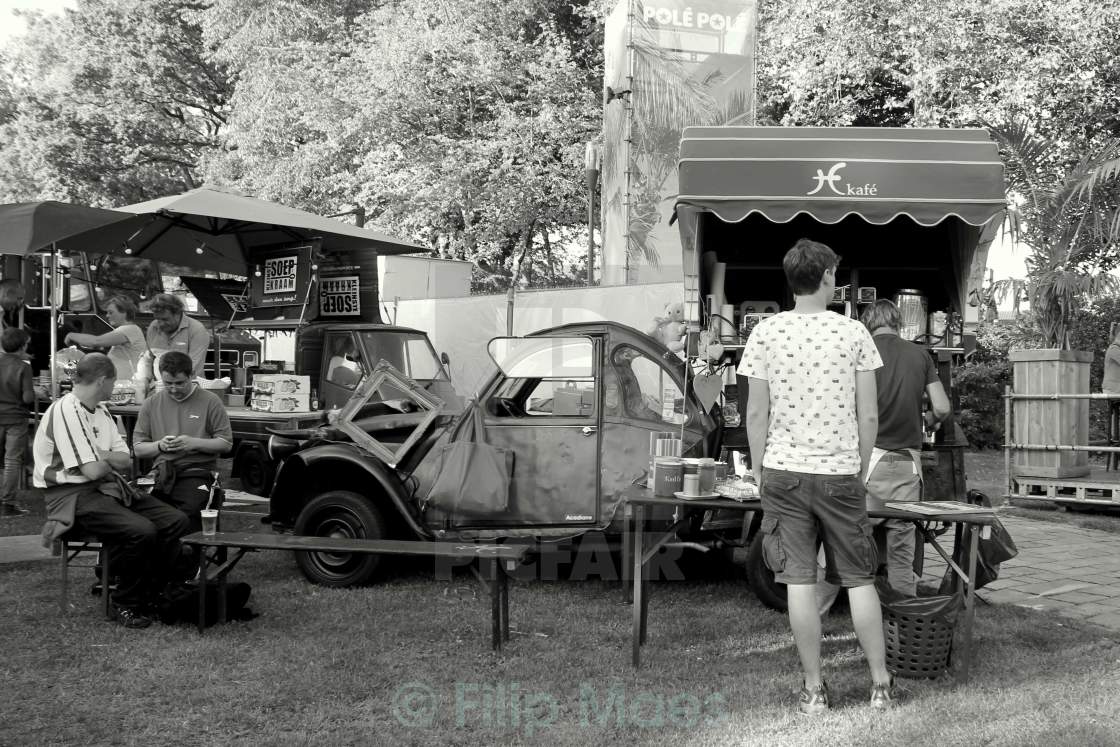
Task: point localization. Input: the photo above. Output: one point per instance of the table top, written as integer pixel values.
(240, 413)
(645, 497)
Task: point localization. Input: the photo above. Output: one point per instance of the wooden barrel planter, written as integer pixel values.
(1050, 421)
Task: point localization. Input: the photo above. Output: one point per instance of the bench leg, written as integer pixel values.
(636, 549)
(495, 605)
(106, 575)
(505, 601)
(201, 590)
(63, 600)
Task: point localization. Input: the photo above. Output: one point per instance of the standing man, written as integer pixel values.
(172, 329)
(895, 470)
(811, 422)
(185, 428)
(77, 449)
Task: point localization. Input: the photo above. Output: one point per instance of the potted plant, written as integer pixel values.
(1071, 224)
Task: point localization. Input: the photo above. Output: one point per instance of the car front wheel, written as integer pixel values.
(344, 514)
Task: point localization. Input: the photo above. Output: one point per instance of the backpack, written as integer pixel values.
(182, 605)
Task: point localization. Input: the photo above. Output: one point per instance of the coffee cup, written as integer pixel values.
(690, 485)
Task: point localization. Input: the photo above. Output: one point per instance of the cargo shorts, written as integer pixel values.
(802, 512)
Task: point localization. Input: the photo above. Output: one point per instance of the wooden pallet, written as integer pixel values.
(1098, 488)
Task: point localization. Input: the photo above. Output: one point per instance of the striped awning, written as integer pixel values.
(878, 173)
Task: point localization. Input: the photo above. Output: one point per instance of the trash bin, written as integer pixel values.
(919, 632)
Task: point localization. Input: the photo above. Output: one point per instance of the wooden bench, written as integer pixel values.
(500, 561)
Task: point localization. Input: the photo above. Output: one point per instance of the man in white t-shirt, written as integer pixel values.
(812, 419)
(77, 450)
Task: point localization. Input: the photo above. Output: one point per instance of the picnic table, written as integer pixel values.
(969, 527)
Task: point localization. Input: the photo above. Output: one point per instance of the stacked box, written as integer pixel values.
(281, 383)
(266, 402)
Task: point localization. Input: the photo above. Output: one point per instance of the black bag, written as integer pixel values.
(989, 554)
(473, 477)
(182, 606)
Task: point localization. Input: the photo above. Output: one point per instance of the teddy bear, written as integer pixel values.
(670, 328)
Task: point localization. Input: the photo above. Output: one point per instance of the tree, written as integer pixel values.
(112, 102)
(1072, 226)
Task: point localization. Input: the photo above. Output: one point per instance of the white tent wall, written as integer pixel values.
(462, 327)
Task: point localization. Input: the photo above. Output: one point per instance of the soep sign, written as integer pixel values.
(281, 277)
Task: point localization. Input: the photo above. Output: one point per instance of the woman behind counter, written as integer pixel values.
(126, 341)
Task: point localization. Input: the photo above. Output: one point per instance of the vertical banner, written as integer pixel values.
(683, 63)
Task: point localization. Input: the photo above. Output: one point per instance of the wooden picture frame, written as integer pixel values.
(370, 385)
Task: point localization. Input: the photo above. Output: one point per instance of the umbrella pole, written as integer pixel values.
(55, 384)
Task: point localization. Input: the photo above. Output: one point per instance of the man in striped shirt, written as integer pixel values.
(77, 449)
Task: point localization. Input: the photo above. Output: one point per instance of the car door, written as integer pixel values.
(549, 416)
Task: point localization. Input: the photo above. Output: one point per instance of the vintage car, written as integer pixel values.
(575, 406)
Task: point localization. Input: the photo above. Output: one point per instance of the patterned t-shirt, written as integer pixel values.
(810, 362)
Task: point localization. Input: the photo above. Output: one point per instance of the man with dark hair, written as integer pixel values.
(77, 451)
(11, 302)
(185, 428)
(894, 472)
(17, 394)
(811, 423)
(173, 330)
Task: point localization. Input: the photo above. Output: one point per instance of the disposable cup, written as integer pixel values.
(209, 520)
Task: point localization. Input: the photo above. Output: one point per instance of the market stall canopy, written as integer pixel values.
(217, 230)
(938, 194)
(29, 227)
(878, 173)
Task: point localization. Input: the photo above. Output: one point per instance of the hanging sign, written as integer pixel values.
(281, 277)
(338, 296)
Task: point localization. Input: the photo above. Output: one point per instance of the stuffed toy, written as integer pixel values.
(670, 328)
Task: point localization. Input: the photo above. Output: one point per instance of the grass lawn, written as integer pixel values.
(408, 662)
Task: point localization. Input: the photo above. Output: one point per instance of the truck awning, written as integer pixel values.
(877, 173)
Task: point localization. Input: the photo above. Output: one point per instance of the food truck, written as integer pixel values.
(910, 211)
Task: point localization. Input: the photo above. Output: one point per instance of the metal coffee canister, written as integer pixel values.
(912, 310)
(667, 475)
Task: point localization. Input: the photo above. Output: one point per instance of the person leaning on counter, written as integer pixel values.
(172, 329)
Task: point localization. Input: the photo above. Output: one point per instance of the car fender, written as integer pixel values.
(337, 466)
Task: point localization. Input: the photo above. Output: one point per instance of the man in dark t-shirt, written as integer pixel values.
(895, 470)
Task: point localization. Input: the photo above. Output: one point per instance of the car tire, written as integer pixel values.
(256, 471)
(339, 513)
(761, 579)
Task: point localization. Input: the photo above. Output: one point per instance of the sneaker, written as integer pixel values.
(882, 696)
(813, 702)
(132, 618)
(10, 509)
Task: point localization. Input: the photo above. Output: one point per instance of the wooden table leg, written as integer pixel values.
(222, 597)
(972, 533)
(636, 549)
(627, 548)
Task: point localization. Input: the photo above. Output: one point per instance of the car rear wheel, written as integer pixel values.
(339, 513)
(761, 579)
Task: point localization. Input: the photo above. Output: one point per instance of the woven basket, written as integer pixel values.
(919, 645)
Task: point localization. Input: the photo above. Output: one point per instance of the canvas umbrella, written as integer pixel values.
(217, 230)
(30, 227)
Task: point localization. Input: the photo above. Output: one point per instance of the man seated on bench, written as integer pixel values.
(77, 450)
(185, 428)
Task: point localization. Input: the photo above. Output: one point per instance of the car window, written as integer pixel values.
(543, 398)
(344, 367)
(646, 391)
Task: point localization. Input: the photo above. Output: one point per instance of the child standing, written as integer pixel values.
(17, 394)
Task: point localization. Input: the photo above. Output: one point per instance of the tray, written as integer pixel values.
(697, 497)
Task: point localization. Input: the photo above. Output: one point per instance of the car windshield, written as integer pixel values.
(409, 352)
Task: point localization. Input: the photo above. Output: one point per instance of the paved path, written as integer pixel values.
(1064, 568)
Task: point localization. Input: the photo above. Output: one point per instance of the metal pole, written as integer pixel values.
(1007, 438)
(1064, 447)
(55, 384)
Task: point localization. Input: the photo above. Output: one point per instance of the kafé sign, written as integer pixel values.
(281, 277)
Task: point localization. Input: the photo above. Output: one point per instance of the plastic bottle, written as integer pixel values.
(141, 377)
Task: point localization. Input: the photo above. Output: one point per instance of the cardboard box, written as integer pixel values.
(281, 402)
(282, 383)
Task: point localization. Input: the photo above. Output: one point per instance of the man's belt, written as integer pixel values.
(896, 456)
